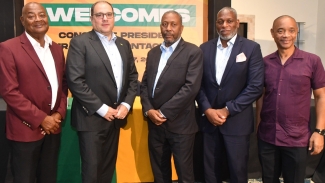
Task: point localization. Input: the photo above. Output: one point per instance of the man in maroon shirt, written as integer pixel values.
(284, 137)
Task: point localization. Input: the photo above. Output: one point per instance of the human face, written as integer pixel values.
(103, 24)
(34, 19)
(284, 32)
(227, 24)
(171, 28)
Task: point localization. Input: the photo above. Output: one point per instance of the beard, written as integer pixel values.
(226, 38)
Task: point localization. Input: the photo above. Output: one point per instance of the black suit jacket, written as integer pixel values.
(176, 87)
(91, 81)
(241, 84)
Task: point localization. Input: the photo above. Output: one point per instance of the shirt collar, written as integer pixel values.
(296, 54)
(231, 41)
(101, 36)
(173, 46)
(47, 39)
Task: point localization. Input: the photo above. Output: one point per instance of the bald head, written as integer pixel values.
(280, 18)
(34, 20)
(30, 5)
(284, 32)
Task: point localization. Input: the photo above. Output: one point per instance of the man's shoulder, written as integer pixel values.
(83, 36)
(191, 45)
(11, 42)
(308, 55)
(248, 41)
(209, 43)
(269, 56)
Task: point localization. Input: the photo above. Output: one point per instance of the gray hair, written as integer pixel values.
(229, 9)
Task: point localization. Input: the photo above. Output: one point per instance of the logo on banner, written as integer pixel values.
(125, 14)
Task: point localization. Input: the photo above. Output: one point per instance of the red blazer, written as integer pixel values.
(26, 89)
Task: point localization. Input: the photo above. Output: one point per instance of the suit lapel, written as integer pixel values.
(154, 67)
(58, 67)
(212, 63)
(178, 49)
(121, 48)
(99, 48)
(27, 46)
(232, 59)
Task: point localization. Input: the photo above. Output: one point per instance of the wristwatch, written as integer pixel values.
(321, 132)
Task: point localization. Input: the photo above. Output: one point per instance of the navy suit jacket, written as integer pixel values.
(241, 85)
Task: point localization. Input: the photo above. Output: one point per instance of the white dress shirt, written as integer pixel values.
(46, 58)
(166, 53)
(222, 57)
(117, 67)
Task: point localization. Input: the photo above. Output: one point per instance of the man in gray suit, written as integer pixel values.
(102, 77)
(170, 83)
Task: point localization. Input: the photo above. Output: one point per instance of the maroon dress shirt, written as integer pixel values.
(285, 114)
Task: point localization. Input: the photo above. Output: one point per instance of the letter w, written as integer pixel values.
(60, 13)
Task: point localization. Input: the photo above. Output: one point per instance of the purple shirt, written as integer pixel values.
(286, 104)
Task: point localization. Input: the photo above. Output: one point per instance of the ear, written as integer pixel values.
(271, 31)
(238, 23)
(22, 21)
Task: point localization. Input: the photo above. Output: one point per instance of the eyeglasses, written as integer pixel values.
(109, 15)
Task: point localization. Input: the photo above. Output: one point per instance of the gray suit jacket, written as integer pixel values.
(91, 81)
(176, 88)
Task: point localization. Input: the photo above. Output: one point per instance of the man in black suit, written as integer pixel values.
(169, 86)
(233, 74)
(103, 80)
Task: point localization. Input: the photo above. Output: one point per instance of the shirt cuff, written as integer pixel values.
(103, 110)
(161, 113)
(126, 105)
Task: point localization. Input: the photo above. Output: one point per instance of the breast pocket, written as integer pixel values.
(300, 84)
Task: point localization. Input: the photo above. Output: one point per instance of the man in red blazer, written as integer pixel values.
(33, 85)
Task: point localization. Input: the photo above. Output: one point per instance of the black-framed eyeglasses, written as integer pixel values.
(101, 15)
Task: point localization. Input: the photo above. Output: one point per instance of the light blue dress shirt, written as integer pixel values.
(117, 67)
(166, 53)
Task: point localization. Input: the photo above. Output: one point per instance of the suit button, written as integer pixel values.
(220, 88)
(115, 103)
(49, 104)
(157, 88)
(49, 87)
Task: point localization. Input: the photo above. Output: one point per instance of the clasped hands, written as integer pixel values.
(51, 123)
(156, 117)
(119, 113)
(217, 117)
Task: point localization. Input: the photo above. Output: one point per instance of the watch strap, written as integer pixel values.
(321, 132)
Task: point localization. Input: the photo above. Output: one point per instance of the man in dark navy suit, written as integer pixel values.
(233, 75)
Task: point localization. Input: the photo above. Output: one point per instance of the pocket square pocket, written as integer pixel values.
(241, 57)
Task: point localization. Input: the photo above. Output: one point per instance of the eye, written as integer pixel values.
(230, 21)
(99, 15)
(31, 17)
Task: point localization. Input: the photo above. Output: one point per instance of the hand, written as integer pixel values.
(316, 142)
(57, 116)
(122, 111)
(156, 117)
(109, 116)
(217, 116)
(50, 124)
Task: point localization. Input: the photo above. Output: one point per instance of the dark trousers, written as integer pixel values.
(290, 161)
(98, 152)
(225, 154)
(162, 144)
(35, 161)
